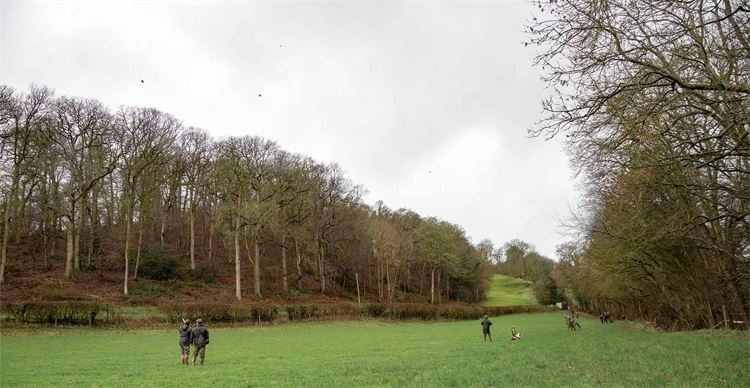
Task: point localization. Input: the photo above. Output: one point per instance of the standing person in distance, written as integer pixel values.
(186, 336)
(200, 340)
(486, 328)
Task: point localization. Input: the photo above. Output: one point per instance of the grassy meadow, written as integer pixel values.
(376, 353)
(509, 291)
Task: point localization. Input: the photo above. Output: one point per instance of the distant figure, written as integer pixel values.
(571, 322)
(200, 340)
(608, 317)
(514, 335)
(186, 336)
(486, 328)
(601, 317)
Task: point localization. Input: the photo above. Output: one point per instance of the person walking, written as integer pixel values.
(200, 340)
(486, 328)
(186, 336)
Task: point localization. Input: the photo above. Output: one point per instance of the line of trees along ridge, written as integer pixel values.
(135, 191)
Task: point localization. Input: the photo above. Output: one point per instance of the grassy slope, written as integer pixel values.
(375, 353)
(508, 291)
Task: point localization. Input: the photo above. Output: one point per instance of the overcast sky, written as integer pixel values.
(426, 104)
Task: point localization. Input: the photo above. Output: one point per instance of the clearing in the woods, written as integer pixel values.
(509, 291)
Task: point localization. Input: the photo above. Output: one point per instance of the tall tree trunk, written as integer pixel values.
(46, 224)
(54, 235)
(432, 286)
(192, 229)
(94, 219)
(128, 222)
(45, 237)
(421, 278)
(438, 287)
(6, 236)
(299, 263)
(70, 236)
(388, 282)
(90, 239)
(9, 203)
(284, 275)
(210, 241)
(367, 269)
(20, 223)
(111, 202)
(77, 238)
(321, 267)
(379, 269)
(256, 263)
(138, 252)
(237, 284)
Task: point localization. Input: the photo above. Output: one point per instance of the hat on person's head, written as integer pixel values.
(199, 321)
(485, 316)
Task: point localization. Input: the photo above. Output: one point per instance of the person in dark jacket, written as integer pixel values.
(186, 336)
(486, 328)
(200, 340)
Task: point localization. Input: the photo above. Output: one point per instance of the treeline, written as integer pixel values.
(138, 191)
(654, 102)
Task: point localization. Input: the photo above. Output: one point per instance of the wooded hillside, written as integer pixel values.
(133, 191)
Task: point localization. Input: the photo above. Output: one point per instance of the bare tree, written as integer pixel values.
(20, 123)
(76, 128)
(146, 137)
(195, 146)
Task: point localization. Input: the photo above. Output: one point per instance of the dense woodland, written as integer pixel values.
(653, 99)
(134, 191)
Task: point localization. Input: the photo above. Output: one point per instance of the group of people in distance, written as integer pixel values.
(486, 323)
(571, 319)
(197, 337)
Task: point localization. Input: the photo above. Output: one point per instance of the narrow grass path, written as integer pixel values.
(374, 353)
(509, 291)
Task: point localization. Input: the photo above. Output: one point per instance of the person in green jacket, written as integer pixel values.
(200, 340)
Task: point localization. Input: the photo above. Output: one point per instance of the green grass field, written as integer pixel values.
(374, 353)
(508, 291)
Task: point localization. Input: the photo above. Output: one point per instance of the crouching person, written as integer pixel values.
(200, 340)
